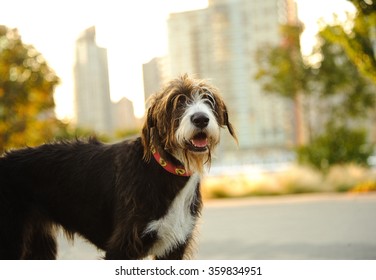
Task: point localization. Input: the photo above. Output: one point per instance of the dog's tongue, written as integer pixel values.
(200, 142)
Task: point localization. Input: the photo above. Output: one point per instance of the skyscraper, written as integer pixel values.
(154, 76)
(123, 116)
(92, 93)
(220, 43)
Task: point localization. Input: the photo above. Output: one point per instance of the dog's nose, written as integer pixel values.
(200, 120)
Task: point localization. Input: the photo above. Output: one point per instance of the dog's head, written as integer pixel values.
(184, 120)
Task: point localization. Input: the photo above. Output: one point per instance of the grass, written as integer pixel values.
(295, 180)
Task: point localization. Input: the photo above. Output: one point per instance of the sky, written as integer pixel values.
(133, 32)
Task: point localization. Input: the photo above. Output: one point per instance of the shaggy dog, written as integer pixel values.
(133, 199)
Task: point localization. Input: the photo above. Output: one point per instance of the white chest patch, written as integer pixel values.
(174, 228)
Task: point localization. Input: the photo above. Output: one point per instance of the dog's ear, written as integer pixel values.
(147, 133)
(223, 115)
(229, 125)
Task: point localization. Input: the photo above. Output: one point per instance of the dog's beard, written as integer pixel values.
(199, 161)
(194, 162)
(190, 156)
(194, 146)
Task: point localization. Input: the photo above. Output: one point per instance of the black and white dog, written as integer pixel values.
(133, 199)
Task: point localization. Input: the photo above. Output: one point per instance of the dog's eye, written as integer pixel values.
(208, 99)
(179, 101)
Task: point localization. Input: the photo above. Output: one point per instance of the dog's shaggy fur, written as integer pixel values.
(116, 196)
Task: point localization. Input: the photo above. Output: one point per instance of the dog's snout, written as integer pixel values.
(200, 120)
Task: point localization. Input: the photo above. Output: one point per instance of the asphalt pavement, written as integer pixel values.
(299, 227)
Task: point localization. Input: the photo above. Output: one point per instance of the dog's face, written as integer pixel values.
(185, 119)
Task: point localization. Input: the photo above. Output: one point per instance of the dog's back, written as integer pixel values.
(51, 184)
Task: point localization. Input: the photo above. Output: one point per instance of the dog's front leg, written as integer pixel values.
(124, 249)
(117, 255)
(123, 255)
(129, 246)
(178, 253)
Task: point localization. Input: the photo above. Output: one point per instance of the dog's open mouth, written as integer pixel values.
(199, 143)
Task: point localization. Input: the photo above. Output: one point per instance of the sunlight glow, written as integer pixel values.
(133, 33)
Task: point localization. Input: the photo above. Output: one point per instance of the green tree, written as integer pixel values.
(281, 70)
(358, 41)
(339, 96)
(338, 83)
(337, 145)
(27, 84)
(68, 132)
(344, 99)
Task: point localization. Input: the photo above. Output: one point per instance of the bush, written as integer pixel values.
(338, 145)
(293, 180)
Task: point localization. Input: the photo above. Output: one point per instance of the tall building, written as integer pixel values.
(219, 43)
(123, 115)
(92, 92)
(154, 75)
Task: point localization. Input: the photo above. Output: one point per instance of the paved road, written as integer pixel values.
(296, 227)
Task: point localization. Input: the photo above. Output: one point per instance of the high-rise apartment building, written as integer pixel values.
(154, 75)
(219, 43)
(92, 92)
(123, 116)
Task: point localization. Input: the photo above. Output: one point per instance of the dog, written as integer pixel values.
(136, 199)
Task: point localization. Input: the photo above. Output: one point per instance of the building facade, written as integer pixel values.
(123, 116)
(92, 92)
(155, 75)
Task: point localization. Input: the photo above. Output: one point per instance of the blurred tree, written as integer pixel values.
(359, 38)
(365, 6)
(282, 70)
(345, 93)
(344, 100)
(337, 145)
(340, 98)
(126, 133)
(26, 94)
(68, 132)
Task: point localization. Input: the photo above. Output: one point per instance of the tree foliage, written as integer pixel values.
(359, 41)
(337, 145)
(346, 97)
(346, 92)
(27, 84)
(336, 79)
(365, 7)
(281, 68)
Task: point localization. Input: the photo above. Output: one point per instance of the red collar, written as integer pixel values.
(169, 166)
